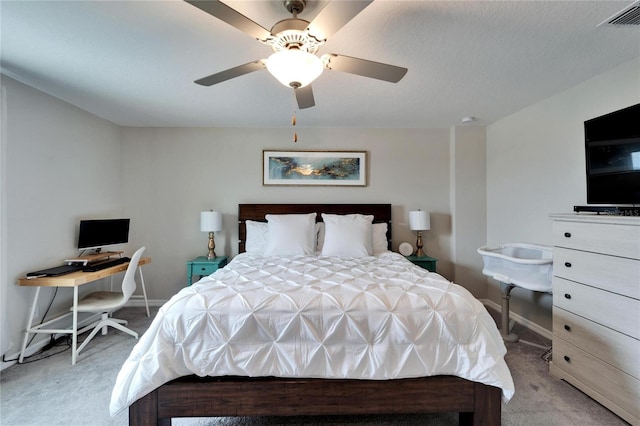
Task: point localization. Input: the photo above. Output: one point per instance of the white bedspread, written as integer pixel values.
(376, 317)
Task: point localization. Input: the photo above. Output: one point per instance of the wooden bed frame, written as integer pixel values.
(191, 396)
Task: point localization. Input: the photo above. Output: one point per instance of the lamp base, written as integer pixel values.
(211, 246)
(419, 251)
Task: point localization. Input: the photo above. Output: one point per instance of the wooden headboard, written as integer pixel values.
(381, 213)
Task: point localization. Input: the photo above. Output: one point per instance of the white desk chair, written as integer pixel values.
(105, 302)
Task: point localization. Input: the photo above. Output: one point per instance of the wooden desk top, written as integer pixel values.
(78, 278)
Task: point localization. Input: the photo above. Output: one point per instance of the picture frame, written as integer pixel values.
(314, 168)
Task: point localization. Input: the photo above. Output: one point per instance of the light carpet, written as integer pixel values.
(53, 392)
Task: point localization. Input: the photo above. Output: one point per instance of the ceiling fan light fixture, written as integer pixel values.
(294, 67)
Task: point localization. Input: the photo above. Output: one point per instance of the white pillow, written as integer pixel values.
(347, 235)
(291, 234)
(379, 238)
(257, 236)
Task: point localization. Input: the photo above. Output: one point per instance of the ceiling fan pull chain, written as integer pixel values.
(293, 117)
(293, 123)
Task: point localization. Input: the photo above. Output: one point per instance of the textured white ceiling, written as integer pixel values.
(134, 62)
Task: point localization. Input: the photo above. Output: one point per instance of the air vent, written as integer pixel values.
(630, 15)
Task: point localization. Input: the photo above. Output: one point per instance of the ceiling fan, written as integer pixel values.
(295, 42)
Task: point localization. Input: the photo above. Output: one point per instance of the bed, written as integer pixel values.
(179, 386)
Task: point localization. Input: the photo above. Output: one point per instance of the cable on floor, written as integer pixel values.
(44, 353)
(35, 334)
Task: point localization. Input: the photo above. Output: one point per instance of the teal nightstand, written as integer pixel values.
(425, 262)
(201, 266)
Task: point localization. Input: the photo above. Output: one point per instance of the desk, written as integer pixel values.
(75, 280)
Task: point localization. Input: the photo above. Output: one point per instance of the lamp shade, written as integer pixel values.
(294, 68)
(210, 221)
(419, 221)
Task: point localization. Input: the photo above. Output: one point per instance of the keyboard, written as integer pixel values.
(55, 271)
(104, 264)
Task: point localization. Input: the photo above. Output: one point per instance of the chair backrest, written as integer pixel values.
(129, 281)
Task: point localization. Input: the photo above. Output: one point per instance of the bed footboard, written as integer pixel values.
(478, 404)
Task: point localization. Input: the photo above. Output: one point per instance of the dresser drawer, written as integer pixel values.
(617, 274)
(204, 269)
(620, 313)
(614, 239)
(605, 379)
(615, 348)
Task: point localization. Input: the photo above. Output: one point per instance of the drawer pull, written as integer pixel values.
(203, 269)
(566, 327)
(567, 296)
(567, 234)
(566, 358)
(567, 264)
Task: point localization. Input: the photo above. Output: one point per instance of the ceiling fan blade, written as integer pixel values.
(304, 96)
(363, 67)
(334, 16)
(232, 17)
(231, 73)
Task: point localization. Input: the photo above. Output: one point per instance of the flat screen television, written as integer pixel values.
(612, 144)
(99, 233)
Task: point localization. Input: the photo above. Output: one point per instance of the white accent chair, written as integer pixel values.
(105, 302)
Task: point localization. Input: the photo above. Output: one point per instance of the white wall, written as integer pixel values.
(536, 166)
(59, 164)
(468, 205)
(173, 174)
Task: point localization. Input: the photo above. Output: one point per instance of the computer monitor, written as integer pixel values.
(99, 233)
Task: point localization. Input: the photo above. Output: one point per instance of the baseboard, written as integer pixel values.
(547, 334)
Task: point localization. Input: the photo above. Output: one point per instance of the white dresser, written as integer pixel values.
(596, 308)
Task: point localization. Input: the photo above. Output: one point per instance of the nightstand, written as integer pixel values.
(425, 262)
(201, 266)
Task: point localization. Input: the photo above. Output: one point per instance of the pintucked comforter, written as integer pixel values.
(377, 317)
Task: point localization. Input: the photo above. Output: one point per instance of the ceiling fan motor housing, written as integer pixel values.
(287, 38)
(294, 6)
(292, 33)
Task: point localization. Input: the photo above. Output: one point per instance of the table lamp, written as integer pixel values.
(419, 221)
(211, 222)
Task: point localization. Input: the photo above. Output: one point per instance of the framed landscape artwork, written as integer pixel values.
(314, 168)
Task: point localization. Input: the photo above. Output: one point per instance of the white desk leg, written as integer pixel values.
(144, 291)
(29, 324)
(74, 338)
